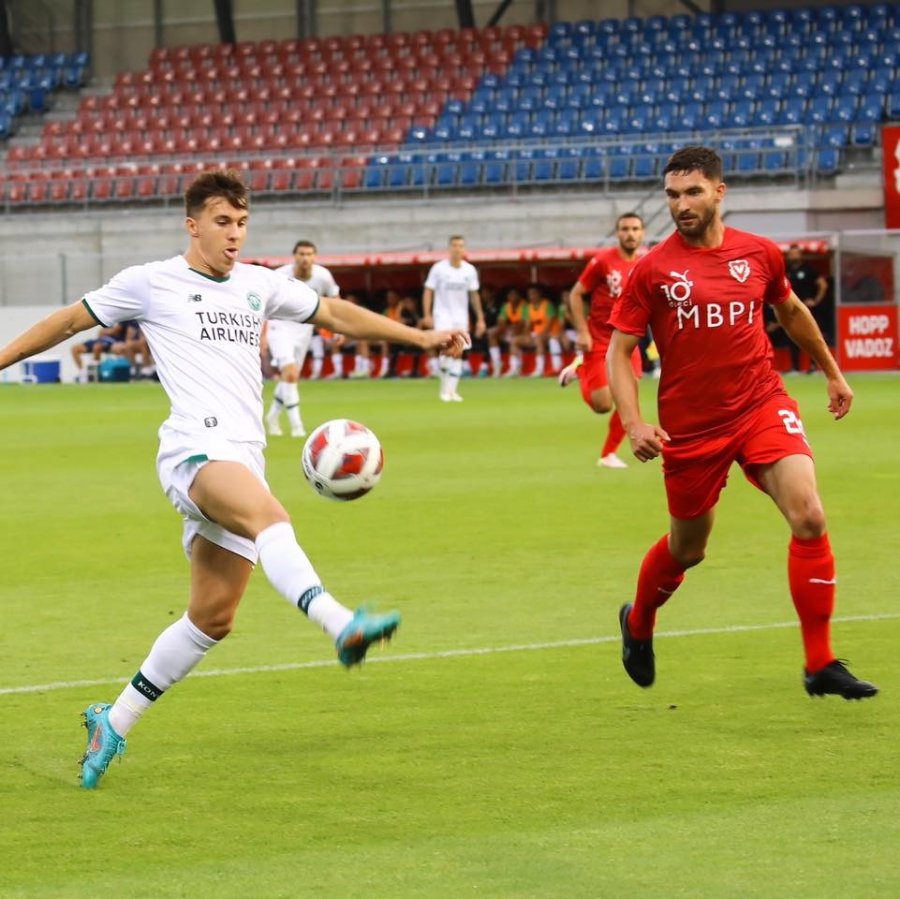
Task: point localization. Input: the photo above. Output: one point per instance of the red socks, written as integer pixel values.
(615, 435)
(661, 574)
(810, 575)
(812, 582)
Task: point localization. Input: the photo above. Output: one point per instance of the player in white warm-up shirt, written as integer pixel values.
(289, 341)
(202, 314)
(451, 285)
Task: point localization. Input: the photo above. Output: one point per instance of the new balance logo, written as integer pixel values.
(195, 297)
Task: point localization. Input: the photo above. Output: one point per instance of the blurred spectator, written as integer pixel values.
(104, 341)
(405, 310)
(539, 314)
(362, 358)
(486, 344)
(510, 327)
(134, 348)
(810, 287)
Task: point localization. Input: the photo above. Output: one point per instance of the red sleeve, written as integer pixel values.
(631, 312)
(779, 288)
(593, 274)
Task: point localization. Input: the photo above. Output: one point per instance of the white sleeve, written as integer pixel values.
(431, 282)
(292, 300)
(473, 278)
(332, 289)
(125, 296)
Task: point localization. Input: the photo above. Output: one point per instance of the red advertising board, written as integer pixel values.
(867, 338)
(890, 161)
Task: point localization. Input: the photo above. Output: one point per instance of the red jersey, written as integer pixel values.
(604, 278)
(705, 308)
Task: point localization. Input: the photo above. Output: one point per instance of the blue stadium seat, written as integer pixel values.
(544, 168)
(862, 134)
(398, 173)
(494, 170)
(446, 172)
(792, 112)
(871, 108)
(845, 107)
(470, 168)
(819, 109)
(620, 164)
(375, 172)
(827, 161)
(594, 166)
(748, 163)
(569, 165)
(520, 165)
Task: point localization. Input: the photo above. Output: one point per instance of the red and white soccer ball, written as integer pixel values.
(342, 459)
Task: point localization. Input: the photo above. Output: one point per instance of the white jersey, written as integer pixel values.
(322, 282)
(204, 336)
(451, 286)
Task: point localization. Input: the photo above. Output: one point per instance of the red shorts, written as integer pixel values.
(592, 372)
(696, 470)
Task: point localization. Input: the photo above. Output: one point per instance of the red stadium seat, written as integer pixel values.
(38, 187)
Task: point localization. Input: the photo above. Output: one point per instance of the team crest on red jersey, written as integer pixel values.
(739, 269)
(678, 293)
(614, 281)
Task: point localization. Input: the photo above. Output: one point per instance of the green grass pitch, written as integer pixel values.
(496, 748)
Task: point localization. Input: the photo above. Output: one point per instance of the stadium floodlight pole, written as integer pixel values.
(225, 21)
(465, 13)
(498, 13)
(158, 19)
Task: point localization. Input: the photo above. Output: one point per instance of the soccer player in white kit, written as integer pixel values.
(449, 288)
(201, 314)
(289, 341)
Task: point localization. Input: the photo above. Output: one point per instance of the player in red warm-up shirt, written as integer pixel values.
(602, 280)
(702, 291)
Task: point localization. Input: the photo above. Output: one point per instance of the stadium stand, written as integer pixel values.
(783, 94)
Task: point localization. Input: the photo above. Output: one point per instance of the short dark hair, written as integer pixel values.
(304, 243)
(629, 215)
(455, 237)
(696, 159)
(221, 183)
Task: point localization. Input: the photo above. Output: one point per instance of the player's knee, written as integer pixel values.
(601, 405)
(688, 553)
(215, 623)
(807, 519)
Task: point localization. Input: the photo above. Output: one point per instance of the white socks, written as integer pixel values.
(175, 653)
(291, 573)
(289, 395)
(555, 353)
(454, 373)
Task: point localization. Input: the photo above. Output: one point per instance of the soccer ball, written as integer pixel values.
(342, 459)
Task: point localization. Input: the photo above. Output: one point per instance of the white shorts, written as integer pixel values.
(448, 322)
(179, 459)
(289, 346)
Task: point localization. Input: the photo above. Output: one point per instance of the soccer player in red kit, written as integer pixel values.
(603, 279)
(702, 291)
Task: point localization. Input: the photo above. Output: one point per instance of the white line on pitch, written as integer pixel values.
(447, 653)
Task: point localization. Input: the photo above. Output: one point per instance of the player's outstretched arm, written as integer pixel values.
(356, 321)
(48, 332)
(646, 439)
(794, 316)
